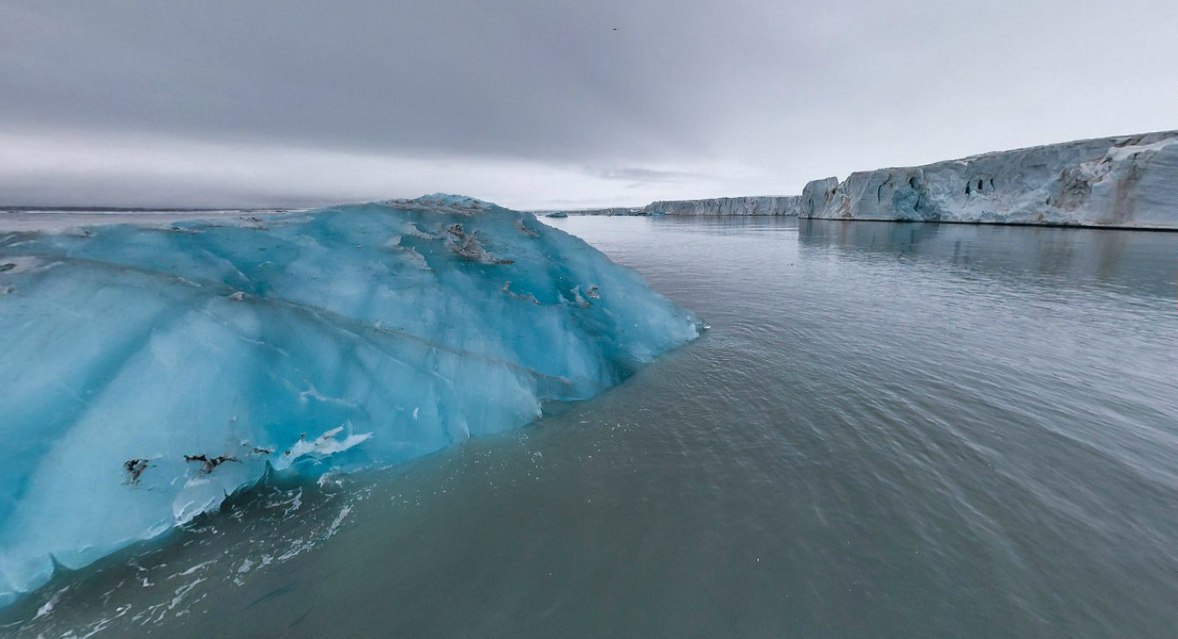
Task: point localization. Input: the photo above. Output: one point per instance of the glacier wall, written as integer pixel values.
(1126, 181)
(619, 211)
(149, 372)
(749, 205)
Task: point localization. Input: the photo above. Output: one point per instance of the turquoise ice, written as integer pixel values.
(146, 373)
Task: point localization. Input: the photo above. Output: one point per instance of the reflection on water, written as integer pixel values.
(891, 430)
(1131, 260)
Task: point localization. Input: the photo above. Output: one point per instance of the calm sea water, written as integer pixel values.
(890, 430)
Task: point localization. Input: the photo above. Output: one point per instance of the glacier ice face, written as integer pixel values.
(744, 205)
(784, 205)
(149, 372)
(1128, 181)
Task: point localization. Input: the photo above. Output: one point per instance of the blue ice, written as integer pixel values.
(147, 373)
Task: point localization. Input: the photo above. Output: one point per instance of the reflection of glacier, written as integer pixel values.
(147, 373)
(1129, 181)
(1069, 256)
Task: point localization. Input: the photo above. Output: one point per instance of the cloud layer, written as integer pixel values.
(539, 102)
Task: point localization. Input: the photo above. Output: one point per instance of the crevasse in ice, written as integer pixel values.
(146, 373)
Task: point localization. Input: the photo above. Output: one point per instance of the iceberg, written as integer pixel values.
(148, 373)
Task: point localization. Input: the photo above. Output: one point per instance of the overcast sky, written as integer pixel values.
(537, 104)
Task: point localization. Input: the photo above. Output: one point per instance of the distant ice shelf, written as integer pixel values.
(147, 373)
(785, 205)
(743, 205)
(1126, 181)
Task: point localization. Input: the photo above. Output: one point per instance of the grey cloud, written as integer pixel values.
(645, 175)
(782, 91)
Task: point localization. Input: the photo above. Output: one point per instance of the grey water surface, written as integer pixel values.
(890, 430)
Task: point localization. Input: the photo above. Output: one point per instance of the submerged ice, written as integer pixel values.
(149, 372)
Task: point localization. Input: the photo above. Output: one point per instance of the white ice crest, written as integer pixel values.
(325, 445)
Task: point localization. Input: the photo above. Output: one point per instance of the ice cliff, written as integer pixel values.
(751, 205)
(149, 372)
(742, 205)
(1127, 181)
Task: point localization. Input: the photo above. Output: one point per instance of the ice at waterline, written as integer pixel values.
(147, 373)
